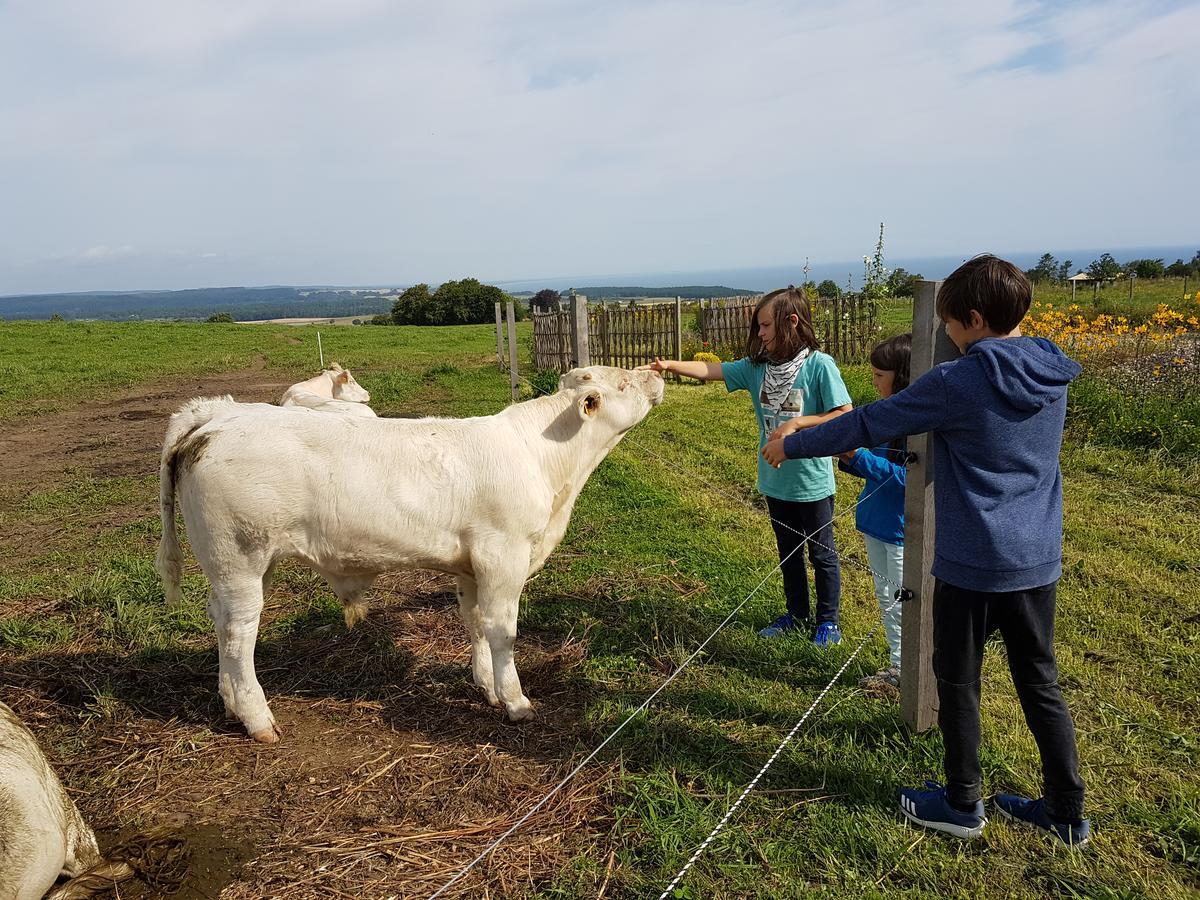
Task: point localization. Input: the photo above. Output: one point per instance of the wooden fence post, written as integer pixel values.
(579, 332)
(678, 328)
(918, 688)
(512, 351)
(499, 338)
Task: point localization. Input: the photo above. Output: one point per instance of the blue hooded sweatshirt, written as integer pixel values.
(997, 419)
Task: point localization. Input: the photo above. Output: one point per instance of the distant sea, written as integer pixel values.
(767, 278)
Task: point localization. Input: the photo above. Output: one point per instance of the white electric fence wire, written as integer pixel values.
(761, 772)
(487, 851)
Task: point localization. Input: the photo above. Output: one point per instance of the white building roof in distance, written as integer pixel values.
(1080, 276)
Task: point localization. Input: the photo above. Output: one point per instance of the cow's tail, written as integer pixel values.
(191, 416)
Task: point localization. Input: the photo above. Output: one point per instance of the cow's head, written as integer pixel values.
(621, 397)
(345, 387)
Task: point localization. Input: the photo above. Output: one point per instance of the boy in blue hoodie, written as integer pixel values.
(997, 418)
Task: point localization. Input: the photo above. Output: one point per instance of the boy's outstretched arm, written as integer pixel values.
(919, 407)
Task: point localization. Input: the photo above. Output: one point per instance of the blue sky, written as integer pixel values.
(148, 144)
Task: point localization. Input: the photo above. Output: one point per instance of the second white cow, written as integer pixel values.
(333, 390)
(485, 499)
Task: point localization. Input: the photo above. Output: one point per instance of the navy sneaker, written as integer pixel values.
(931, 809)
(1033, 812)
(828, 634)
(780, 626)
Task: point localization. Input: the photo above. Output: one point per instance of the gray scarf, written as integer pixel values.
(780, 377)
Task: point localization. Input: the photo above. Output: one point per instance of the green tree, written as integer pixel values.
(1045, 270)
(413, 306)
(220, 317)
(1146, 268)
(1064, 270)
(1105, 268)
(828, 288)
(903, 283)
(545, 299)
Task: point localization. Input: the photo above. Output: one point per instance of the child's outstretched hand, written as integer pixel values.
(773, 452)
(659, 365)
(793, 425)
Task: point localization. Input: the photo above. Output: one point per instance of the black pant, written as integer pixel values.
(794, 521)
(962, 621)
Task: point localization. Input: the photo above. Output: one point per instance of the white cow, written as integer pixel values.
(485, 499)
(333, 390)
(42, 834)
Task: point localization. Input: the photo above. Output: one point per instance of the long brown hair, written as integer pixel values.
(783, 303)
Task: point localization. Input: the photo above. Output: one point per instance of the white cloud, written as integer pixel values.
(370, 141)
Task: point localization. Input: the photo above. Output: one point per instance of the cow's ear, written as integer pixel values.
(589, 405)
(343, 377)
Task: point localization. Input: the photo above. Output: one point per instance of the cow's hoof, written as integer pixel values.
(269, 735)
(521, 711)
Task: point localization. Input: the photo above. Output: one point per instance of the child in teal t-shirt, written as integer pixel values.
(788, 377)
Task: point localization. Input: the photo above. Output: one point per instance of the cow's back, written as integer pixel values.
(366, 494)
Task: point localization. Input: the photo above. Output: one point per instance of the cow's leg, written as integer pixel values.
(237, 602)
(349, 589)
(214, 615)
(481, 653)
(501, 576)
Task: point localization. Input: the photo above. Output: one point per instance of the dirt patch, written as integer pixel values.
(119, 435)
(392, 774)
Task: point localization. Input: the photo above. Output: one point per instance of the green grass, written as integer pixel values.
(48, 365)
(666, 539)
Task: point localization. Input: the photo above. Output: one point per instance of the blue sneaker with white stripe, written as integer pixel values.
(1020, 809)
(827, 634)
(931, 809)
(781, 626)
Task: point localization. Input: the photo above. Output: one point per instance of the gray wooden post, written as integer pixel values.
(499, 338)
(918, 688)
(678, 328)
(580, 354)
(512, 350)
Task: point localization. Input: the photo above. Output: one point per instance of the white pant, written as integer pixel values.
(888, 561)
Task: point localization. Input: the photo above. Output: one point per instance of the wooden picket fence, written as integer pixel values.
(552, 340)
(845, 327)
(628, 336)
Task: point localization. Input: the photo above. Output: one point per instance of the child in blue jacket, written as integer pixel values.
(996, 417)
(879, 514)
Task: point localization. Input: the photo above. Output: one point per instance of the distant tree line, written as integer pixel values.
(1106, 268)
(899, 283)
(199, 303)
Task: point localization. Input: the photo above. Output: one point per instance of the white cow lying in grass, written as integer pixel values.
(42, 834)
(333, 390)
(486, 499)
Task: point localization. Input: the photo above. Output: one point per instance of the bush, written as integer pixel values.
(466, 302)
(219, 317)
(705, 356)
(544, 381)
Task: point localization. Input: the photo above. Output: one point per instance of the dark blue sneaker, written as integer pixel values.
(780, 626)
(828, 634)
(931, 809)
(1033, 812)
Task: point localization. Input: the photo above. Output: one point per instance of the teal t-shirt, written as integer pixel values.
(822, 389)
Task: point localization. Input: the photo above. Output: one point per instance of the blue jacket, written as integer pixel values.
(997, 416)
(880, 510)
